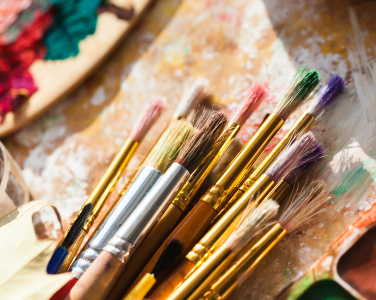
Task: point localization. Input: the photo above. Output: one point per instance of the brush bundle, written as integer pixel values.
(144, 248)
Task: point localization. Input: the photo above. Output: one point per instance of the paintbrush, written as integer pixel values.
(74, 236)
(252, 224)
(158, 161)
(292, 161)
(103, 273)
(191, 97)
(322, 99)
(195, 224)
(303, 209)
(253, 220)
(173, 213)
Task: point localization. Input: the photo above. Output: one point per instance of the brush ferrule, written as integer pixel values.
(120, 248)
(305, 121)
(236, 275)
(243, 162)
(201, 173)
(253, 196)
(137, 190)
(147, 213)
(109, 180)
(279, 191)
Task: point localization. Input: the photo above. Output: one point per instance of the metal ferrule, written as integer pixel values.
(136, 192)
(279, 191)
(195, 285)
(255, 194)
(248, 262)
(201, 173)
(109, 180)
(243, 162)
(143, 219)
(301, 125)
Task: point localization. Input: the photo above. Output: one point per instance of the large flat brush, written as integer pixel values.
(74, 236)
(173, 213)
(195, 224)
(103, 273)
(158, 161)
(327, 94)
(307, 206)
(292, 161)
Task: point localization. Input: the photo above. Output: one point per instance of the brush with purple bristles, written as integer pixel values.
(322, 99)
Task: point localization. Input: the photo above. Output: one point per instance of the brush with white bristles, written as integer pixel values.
(300, 210)
(253, 221)
(62, 257)
(160, 232)
(191, 97)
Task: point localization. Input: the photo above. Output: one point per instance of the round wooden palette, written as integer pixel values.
(56, 78)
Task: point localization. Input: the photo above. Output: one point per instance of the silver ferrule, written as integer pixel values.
(136, 192)
(143, 219)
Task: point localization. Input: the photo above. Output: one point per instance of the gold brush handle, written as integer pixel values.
(245, 266)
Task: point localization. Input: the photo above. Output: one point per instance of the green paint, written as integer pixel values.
(352, 180)
(287, 272)
(325, 290)
(187, 50)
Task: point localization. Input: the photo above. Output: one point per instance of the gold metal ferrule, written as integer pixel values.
(255, 194)
(201, 173)
(279, 191)
(301, 125)
(242, 163)
(196, 284)
(109, 180)
(242, 268)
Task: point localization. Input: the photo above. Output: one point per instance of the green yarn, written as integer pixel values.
(75, 20)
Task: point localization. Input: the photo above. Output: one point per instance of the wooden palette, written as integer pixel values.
(57, 78)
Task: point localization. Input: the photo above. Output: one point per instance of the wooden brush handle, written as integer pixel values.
(145, 252)
(163, 290)
(188, 232)
(98, 279)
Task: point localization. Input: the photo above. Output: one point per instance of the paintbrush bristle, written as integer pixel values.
(203, 143)
(150, 114)
(326, 95)
(306, 206)
(254, 220)
(289, 163)
(250, 103)
(313, 155)
(169, 145)
(192, 96)
(303, 83)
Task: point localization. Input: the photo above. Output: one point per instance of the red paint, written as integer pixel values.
(64, 291)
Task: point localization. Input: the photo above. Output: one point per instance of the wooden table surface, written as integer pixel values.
(233, 43)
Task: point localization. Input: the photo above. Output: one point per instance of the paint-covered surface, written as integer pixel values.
(233, 44)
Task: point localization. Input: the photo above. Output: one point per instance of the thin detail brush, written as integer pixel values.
(103, 273)
(158, 161)
(195, 224)
(62, 257)
(298, 155)
(320, 101)
(304, 208)
(195, 285)
(173, 213)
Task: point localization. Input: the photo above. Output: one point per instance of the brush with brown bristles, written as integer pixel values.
(167, 222)
(304, 208)
(103, 273)
(65, 253)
